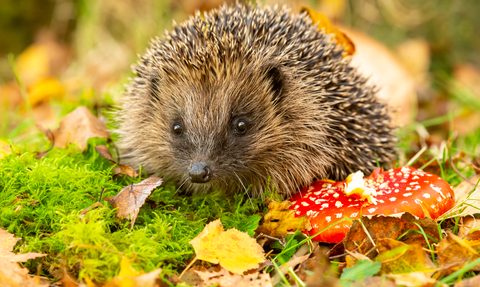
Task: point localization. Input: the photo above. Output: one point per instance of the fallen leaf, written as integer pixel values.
(236, 251)
(45, 90)
(324, 23)
(10, 96)
(454, 252)
(12, 275)
(414, 279)
(224, 278)
(280, 220)
(129, 277)
(323, 274)
(4, 149)
(33, 64)
(376, 281)
(78, 126)
(388, 227)
(400, 258)
(7, 242)
(467, 198)
(470, 282)
(132, 197)
(119, 168)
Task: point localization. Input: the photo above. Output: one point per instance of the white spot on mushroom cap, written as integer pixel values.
(413, 183)
(296, 206)
(407, 194)
(426, 195)
(354, 214)
(393, 198)
(319, 200)
(371, 210)
(312, 213)
(328, 218)
(338, 204)
(297, 213)
(437, 189)
(415, 177)
(408, 188)
(305, 203)
(338, 215)
(325, 205)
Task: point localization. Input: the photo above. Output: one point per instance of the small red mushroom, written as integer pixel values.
(395, 191)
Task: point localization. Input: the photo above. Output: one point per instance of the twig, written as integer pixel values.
(101, 193)
(188, 267)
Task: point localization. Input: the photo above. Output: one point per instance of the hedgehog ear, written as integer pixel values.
(275, 76)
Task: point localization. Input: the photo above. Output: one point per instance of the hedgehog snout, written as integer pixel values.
(200, 172)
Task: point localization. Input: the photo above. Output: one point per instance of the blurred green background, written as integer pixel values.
(71, 52)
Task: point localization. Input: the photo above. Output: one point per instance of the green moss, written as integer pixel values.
(53, 191)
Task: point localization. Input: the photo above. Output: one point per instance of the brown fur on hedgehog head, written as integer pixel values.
(245, 94)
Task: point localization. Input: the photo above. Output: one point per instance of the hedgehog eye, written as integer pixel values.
(177, 129)
(241, 127)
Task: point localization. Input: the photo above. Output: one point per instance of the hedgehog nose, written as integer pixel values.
(200, 172)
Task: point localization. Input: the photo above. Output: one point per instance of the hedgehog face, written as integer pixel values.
(215, 130)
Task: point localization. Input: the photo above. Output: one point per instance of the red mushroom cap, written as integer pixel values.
(399, 190)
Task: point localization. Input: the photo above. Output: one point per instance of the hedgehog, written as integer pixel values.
(243, 98)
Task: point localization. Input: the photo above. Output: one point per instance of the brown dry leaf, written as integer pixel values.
(12, 275)
(376, 281)
(414, 279)
(470, 282)
(388, 227)
(466, 199)
(323, 274)
(119, 168)
(454, 252)
(280, 220)
(129, 277)
(223, 278)
(10, 96)
(400, 258)
(78, 126)
(7, 242)
(324, 23)
(236, 251)
(469, 228)
(132, 197)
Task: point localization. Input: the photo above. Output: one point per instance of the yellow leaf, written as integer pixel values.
(126, 269)
(33, 64)
(236, 251)
(45, 90)
(129, 277)
(280, 220)
(4, 149)
(339, 36)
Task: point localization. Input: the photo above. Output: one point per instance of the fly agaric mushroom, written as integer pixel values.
(395, 191)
